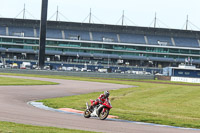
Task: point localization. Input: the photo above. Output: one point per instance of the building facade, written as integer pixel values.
(99, 44)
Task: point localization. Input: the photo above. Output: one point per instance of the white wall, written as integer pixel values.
(184, 79)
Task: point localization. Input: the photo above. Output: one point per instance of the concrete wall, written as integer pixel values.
(78, 74)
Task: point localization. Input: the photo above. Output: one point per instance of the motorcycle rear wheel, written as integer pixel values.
(104, 115)
(87, 113)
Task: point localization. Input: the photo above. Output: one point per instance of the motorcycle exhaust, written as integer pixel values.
(87, 105)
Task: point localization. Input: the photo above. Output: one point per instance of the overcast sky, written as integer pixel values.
(170, 13)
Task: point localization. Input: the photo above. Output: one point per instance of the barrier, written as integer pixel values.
(78, 74)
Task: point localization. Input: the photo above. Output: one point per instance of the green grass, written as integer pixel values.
(94, 79)
(19, 81)
(8, 127)
(168, 104)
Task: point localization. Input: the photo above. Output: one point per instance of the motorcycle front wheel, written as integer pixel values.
(86, 113)
(104, 115)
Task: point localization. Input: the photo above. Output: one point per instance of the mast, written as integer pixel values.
(24, 11)
(155, 19)
(187, 23)
(90, 16)
(123, 18)
(57, 14)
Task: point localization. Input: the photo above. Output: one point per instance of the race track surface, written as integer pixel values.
(14, 108)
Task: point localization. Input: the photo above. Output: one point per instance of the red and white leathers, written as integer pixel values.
(101, 99)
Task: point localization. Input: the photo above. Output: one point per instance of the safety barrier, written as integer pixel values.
(78, 74)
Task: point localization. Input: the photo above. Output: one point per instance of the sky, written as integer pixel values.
(169, 13)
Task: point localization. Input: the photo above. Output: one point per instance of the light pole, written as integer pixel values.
(43, 22)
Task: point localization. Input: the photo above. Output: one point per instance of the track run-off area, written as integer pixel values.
(14, 108)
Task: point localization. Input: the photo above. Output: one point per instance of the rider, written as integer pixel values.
(101, 99)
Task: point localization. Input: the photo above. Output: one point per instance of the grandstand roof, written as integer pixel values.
(101, 27)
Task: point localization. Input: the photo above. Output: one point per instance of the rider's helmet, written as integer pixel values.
(106, 93)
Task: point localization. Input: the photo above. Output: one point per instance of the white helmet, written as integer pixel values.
(106, 93)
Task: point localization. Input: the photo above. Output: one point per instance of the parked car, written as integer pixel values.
(25, 65)
(14, 66)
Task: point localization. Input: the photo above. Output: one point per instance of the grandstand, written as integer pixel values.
(99, 43)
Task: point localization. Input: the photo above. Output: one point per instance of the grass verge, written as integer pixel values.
(20, 81)
(9, 127)
(166, 104)
(98, 79)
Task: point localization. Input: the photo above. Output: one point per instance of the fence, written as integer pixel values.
(78, 74)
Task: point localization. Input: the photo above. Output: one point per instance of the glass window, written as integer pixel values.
(184, 51)
(51, 43)
(30, 41)
(165, 50)
(18, 40)
(107, 46)
(118, 47)
(140, 48)
(96, 45)
(180, 73)
(37, 41)
(150, 49)
(129, 48)
(187, 73)
(74, 44)
(194, 52)
(173, 50)
(86, 45)
(6, 40)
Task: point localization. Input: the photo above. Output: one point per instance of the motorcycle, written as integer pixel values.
(100, 110)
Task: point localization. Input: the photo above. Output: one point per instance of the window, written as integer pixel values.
(18, 40)
(88, 45)
(173, 51)
(180, 73)
(184, 51)
(150, 49)
(187, 73)
(30, 41)
(7, 40)
(96, 45)
(194, 52)
(51, 43)
(107, 46)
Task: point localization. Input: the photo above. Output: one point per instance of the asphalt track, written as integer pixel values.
(14, 108)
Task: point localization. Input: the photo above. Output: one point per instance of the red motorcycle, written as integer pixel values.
(100, 110)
